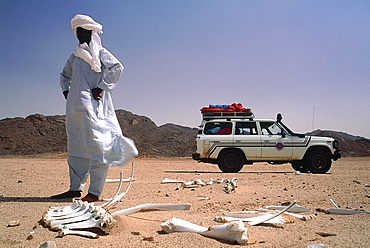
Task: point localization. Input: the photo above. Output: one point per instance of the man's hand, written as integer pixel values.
(65, 93)
(96, 93)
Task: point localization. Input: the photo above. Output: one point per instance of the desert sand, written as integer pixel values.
(28, 182)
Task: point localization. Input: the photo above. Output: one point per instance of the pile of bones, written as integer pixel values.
(81, 217)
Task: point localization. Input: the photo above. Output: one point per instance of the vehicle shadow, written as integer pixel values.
(245, 172)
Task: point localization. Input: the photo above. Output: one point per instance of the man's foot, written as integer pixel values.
(68, 194)
(90, 198)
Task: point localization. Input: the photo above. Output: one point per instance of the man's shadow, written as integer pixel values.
(32, 199)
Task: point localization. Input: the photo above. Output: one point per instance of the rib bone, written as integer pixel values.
(151, 207)
(76, 218)
(233, 231)
(264, 219)
(294, 209)
(299, 216)
(100, 219)
(51, 215)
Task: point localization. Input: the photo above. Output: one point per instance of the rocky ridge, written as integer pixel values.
(38, 134)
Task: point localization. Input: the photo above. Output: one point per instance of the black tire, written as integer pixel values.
(299, 166)
(231, 161)
(317, 161)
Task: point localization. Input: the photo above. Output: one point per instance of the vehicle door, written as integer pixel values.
(275, 140)
(246, 137)
(217, 135)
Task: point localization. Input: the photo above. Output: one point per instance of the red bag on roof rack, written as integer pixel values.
(235, 110)
(235, 107)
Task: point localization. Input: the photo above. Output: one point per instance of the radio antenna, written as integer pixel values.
(313, 117)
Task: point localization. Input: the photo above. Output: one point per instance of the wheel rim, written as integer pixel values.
(231, 161)
(318, 161)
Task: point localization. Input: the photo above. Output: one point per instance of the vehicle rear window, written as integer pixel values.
(218, 128)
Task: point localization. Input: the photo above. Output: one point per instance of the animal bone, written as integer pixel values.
(233, 231)
(345, 211)
(166, 180)
(85, 215)
(151, 207)
(119, 186)
(100, 219)
(226, 219)
(252, 216)
(76, 206)
(295, 209)
(65, 231)
(337, 210)
(335, 205)
(264, 219)
(119, 197)
(230, 186)
(82, 209)
(299, 216)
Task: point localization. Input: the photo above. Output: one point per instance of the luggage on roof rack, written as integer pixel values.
(226, 111)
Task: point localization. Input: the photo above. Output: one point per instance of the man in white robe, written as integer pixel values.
(95, 140)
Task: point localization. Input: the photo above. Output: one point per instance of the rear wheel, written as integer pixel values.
(317, 161)
(231, 161)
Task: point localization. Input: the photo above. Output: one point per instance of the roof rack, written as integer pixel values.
(227, 115)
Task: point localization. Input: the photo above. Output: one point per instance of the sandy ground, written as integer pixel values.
(27, 183)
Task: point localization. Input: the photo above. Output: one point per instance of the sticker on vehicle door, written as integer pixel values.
(279, 146)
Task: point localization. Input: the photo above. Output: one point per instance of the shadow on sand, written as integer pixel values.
(32, 199)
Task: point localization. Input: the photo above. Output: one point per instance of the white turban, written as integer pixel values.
(88, 52)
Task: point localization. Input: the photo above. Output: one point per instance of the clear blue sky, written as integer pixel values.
(309, 60)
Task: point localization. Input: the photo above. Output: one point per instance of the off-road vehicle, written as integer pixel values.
(232, 139)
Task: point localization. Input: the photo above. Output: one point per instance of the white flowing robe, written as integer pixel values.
(93, 130)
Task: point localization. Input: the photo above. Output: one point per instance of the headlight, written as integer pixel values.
(336, 144)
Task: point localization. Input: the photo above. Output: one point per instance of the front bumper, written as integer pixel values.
(337, 155)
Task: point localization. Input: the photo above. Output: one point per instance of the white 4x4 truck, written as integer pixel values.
(232, 139)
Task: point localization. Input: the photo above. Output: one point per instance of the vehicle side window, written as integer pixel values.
(270, 128)
(217, 128)
(245, 128)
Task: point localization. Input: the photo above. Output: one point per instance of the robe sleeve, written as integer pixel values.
(66, 75)
(113, 70)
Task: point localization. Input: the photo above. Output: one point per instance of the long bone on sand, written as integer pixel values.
(233, 232)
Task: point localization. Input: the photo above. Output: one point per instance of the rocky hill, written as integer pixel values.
(46, 134)
(37, 134)
(351, 146)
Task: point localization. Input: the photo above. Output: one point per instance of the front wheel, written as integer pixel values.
(231, 161)
(317, 161)
(299, 166)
